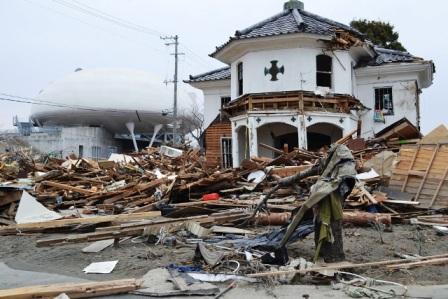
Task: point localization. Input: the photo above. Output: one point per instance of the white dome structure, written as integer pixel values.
(108, 98)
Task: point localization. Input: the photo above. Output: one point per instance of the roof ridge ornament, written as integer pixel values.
(297, 17)
(293, 4)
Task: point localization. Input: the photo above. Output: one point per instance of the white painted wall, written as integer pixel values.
(299, 74)
(212, 102)
(404, 95)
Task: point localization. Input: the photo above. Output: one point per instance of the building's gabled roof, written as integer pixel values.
(290, 21)
(218, 74)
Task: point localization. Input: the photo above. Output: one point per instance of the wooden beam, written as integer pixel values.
(41, 226)
(137, 229)
(428, 168)
(68, 187)
(437, 261)
(271, 148)
(403, 187)
(439, 186)
(73, 290)
(347, 137)
(347, 266)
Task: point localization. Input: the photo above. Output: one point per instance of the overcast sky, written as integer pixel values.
(42, 40)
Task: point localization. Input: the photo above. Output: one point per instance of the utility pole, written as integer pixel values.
(175, 42)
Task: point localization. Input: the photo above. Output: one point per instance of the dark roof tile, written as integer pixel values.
(287, 22)
(384, 56)
(218, 74)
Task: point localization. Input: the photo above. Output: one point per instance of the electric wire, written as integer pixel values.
(94, 12)
(139, 43)
(86, 9)
(105, 17)
(28, 100)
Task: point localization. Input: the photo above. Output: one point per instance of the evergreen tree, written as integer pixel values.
(380, 33)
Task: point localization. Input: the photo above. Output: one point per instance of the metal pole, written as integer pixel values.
(176, 44)
(176, 60)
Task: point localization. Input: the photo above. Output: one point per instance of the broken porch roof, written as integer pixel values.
(290, 21)
(389, 56)
(217, 74)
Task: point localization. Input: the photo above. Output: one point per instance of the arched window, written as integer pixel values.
(323, 70)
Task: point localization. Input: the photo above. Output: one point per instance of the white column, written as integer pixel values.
(301, 131)
(157, 128)
(348, 125)
(235, 149)
(253, 138)
(131, 126)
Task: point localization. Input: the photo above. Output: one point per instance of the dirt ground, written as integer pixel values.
(135, 259)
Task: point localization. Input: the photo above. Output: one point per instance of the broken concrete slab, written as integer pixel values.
(158, 283)
(30, 211)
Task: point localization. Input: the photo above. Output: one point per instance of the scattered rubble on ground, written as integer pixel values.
(167, 197)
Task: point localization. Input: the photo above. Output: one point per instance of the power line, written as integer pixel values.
(94, 12)
(198, 57)
(93, 26)
(44, 104)
(117, 18)
(106, 17)
(86, 9)
(28, 100)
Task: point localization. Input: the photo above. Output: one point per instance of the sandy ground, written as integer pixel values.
(135, 259)
(11, 278)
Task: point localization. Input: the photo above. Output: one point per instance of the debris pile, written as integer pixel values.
(232, 217)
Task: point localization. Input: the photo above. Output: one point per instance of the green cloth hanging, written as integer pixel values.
(330, 209)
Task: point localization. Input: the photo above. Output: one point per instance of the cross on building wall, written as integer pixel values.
(274, 70)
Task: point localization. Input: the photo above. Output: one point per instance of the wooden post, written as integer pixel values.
(403, 188)
(116, 242)
(442, 180)
(358, 132)
(428, 168)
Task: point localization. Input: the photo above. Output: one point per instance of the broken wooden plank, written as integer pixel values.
(347, 266)
(68, 187)
(364, 218)
(137, 229)
(41, 226)
(436, 261)
(428, 168)
(73, 290)
(439, 186)
(403, 187)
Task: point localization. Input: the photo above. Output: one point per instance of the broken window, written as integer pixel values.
(80, 151)
(226, 152)
(240, 78)
(383, 101)
(323, 70)
(224, 101)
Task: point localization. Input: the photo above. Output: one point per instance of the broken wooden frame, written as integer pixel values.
(293, 100)
(422, 170)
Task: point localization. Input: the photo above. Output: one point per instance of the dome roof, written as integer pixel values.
(93, 96)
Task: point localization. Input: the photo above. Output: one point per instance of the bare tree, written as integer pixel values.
(192, 121)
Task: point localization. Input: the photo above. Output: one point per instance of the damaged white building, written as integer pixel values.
(303, 80)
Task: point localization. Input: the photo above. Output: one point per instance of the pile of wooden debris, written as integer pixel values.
(166, 195)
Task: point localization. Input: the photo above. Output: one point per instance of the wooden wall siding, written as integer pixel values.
(422, 170)
(213, 136)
